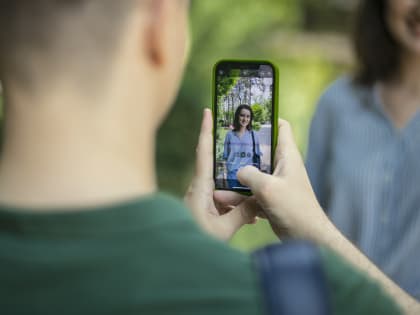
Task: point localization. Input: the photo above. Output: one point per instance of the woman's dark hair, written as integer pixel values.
(236, 124)
(377, 53)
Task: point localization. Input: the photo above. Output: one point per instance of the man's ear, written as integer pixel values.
(159, 31)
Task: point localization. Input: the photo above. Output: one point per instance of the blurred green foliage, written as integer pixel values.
(260, 113)
(241, 29)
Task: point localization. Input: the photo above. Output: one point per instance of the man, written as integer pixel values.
(82, 227)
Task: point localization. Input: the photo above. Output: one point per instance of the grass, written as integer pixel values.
(251, 237)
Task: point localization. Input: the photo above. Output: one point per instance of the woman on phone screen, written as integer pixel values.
(241, 146)
(364, 148)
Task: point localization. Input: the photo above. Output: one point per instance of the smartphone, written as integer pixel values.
(245, 119)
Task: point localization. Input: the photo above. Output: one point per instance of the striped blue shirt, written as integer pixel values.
(239, 151)
(366, 174)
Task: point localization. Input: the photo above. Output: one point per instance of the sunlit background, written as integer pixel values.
(307, 39)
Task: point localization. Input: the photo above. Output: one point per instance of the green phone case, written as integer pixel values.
(274, 120)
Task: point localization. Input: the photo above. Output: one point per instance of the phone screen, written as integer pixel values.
(243, 120)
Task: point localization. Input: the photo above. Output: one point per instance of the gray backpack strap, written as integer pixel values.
(292, 279)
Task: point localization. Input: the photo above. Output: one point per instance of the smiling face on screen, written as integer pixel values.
(244, 118)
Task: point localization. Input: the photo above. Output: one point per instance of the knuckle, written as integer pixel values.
(268, 189)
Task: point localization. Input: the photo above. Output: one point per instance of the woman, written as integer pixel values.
(242, 146)
(364, 142)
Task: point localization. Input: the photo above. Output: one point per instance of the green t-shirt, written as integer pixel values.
(144, 256)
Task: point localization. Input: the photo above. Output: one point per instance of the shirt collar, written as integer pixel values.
(411, 132)
(122, 217)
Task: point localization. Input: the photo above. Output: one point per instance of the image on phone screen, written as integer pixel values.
(243, 112)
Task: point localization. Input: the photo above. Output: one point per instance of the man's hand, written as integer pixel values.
(286, 197)
(221, 219)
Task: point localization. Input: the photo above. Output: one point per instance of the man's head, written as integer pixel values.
(130, 50)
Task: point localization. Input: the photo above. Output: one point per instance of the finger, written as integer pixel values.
(204, 159)
(285, 135)
(252, 208)
(253, 178)
(228, 198)
(285, 143)
(242, 214)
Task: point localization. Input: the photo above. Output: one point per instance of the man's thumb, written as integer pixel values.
(252, 177)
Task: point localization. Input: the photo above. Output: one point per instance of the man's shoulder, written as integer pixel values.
(197, 247)
(177, 236)
(146, 255)
(186, 259)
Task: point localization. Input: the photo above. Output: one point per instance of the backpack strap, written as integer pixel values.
(292, 279)
(253, 142)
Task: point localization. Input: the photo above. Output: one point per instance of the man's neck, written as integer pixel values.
(73, 160)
